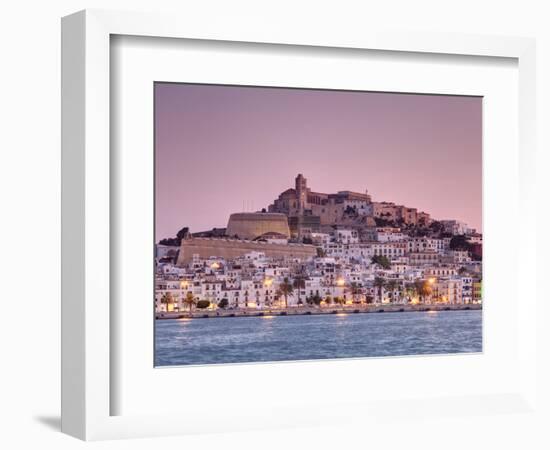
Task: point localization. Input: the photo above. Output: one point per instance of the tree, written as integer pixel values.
(169, 241)
(379, 283)
(459, 242)
(382, 261)
(423, 288)
(419, 232)
(316, 299)
(224, 303)
(167, 299)
(436, 227)
(181, 234)
(299, 283)
(381, 222)
(356, 290)
(328, 300)
(286, 289)
(203, 304)
(410, 291)
(392, 287)
(350, 211)
(189, 301)
(400, 292)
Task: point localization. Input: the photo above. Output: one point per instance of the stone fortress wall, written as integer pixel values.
(252, 225)
(233, 248)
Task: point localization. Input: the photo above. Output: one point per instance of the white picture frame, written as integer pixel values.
(87, 328)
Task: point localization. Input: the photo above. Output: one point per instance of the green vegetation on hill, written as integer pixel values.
(177, 240)
(382, 261)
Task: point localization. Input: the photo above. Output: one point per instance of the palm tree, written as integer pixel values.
(392, 286)
(410, 291)
(382, 261)
(190, 301)
(316, 299)
(286, 289)
(423, 288)
(167, 299)
(356, 290)
(299, 283)
(400, 292)
(379, 283)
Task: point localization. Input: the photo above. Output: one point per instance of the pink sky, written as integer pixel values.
(218, 147)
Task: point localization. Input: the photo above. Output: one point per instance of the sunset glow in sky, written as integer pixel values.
(225, 149)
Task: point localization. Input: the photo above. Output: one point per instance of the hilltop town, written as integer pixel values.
(316, 251)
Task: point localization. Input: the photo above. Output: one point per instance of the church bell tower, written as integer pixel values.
(301, 193)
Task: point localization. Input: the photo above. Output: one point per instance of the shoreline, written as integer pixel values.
(308, 310)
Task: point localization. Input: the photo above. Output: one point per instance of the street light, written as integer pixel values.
(341, 282)
(432, 281)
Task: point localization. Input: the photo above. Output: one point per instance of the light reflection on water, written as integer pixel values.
(284, 338)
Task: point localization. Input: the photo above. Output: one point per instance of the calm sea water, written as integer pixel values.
(253, 339)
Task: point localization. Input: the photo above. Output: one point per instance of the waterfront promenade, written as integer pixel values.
(312, 310)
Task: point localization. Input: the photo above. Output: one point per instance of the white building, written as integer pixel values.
(455, 227)
(390, 250)
(346, 236)
(449, 290)
(387, 234)
(460, 256)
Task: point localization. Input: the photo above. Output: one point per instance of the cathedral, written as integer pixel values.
(309, 211)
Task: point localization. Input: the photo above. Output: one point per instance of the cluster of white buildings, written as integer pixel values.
(392, 268)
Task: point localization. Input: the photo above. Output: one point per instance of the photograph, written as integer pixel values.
(296, 224)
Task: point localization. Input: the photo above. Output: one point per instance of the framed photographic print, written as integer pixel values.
(258, 220)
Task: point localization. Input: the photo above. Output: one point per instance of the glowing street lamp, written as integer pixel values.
(268, 282)
(214, 266)
(431, 282)
(340, 282)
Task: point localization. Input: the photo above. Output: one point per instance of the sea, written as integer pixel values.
(230, 340)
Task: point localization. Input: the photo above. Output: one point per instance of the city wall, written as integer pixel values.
(233, 248)
(253, 225)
